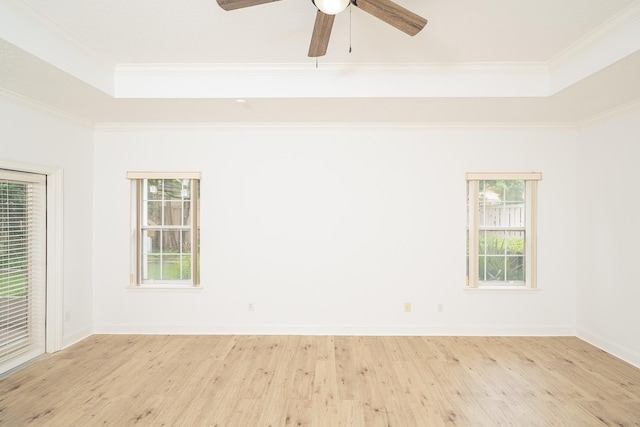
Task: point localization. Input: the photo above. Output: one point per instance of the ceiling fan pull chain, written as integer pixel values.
(350, 27)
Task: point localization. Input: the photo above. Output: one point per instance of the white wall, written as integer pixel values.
(608, 236)
(30, 136)
(332, 230)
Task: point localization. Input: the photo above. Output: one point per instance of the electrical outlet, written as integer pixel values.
(67, 316)
(250, 307)
(407, 307)
(440, 307)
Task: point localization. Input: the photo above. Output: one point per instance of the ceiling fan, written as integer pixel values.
(385, 10)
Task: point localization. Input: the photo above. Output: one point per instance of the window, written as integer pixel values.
(501, 230)
(165, 243)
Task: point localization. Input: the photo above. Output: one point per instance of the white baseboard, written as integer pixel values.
(71, 339)
(621, 352)
(487, 330)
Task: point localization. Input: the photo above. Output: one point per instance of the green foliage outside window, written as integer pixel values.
(167, 229)
(501, 259)
(13, 262)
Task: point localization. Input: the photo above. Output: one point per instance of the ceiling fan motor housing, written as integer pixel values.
(331, 7)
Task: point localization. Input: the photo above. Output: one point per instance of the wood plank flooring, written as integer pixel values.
(123, 380)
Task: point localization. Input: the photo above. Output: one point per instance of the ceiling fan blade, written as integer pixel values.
(393, 14)
(321, 34)
(238, 4)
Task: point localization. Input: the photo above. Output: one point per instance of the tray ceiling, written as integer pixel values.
(476, 61)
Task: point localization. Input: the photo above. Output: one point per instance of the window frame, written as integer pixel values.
(136, 279)
(530, 229)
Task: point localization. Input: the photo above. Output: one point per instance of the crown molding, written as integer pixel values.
(278, 69)
(44, 108)
(609, 114)
(612, 41)
(196, 127)
(26, 27)
(332, 80)
(607, 29)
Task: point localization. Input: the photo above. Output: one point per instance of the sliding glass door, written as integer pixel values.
(22, 267)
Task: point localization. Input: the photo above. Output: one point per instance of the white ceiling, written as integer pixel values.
(199, 31)
(166, 61)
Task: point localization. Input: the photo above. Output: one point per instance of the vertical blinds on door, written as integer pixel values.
(22, 266)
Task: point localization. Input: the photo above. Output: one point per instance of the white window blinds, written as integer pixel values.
(22, 267)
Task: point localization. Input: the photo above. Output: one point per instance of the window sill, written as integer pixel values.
(166, 287)
(500, 289)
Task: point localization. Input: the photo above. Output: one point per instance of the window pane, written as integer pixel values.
(171, 267)
(186, 242)
(468, 255)
(153, 189)
(173, 212)
(515, 242)
(173, 189)
(185, 261)
(151, 240)
(172, 241)
(175, 267)
(151, 267)
(186, 213)
(153, 214)
(198, 257)
(492, 242)
(502, 203)
(495, 268)
(515, 268)
(501, 256)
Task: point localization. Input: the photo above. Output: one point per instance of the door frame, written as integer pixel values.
(55, 261)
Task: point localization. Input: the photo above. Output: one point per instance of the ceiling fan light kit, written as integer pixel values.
(385, 10)
(331, 7)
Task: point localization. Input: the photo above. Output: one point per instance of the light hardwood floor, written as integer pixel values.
(125, 380)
